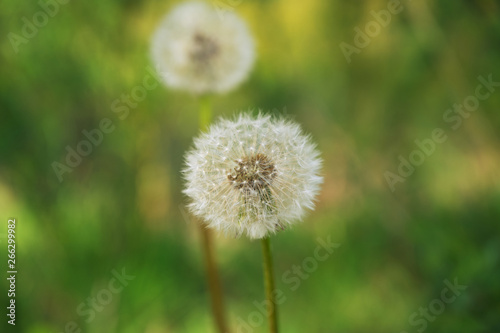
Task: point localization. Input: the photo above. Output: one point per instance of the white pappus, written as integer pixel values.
(252, 175)
(196, 50)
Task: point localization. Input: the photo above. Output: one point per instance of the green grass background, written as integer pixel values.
(122, 207)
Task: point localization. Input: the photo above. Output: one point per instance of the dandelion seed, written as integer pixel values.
(267, 183)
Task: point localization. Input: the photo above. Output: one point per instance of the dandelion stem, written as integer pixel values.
(272, 316)
(213, 281)
(205, 115)
(214, 284)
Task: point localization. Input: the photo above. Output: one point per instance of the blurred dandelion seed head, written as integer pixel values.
(201, 52)
(252, 175)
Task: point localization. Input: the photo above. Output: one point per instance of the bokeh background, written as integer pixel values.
(122, 207)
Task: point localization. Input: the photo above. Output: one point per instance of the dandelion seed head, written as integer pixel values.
(252, 175)
(200, 51)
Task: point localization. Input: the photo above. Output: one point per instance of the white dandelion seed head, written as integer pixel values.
(201, 52)
(252, 175)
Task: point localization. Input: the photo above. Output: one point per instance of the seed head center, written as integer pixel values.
(205, 48)
(254, 172)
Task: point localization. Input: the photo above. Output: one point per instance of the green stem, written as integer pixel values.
(272, 315)
(205, 115)
(213, 281)
(214, 284)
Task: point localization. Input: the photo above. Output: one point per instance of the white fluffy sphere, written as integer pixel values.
(252, 175)
(198, 50)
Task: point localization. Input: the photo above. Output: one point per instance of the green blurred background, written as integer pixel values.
(122, 207)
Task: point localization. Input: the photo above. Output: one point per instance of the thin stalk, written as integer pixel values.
(213, 281)
(214, 284)
(205, 115)
(272, 313)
